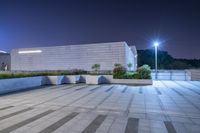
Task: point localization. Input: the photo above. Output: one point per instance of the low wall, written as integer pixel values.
(57, 80)
(181, 75)
(195, 74)
(15, 84)
(108, 79)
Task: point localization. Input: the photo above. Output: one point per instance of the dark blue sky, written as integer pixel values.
(31, 23)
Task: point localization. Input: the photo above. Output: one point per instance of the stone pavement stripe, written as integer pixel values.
(132, 125)
(124, 90)
(110, 89)
(194, 83)
(140, 90)
(95, 124)
(96, 88)
(158, 91)
(20, 124)
(15, 113)
(4, 108)
(69, 87)
(177, 92)
(84, 87)
(186, 99)
(187, 88)
(59, 123)
(170, 127)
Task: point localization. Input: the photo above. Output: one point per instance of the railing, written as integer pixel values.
(182, 75)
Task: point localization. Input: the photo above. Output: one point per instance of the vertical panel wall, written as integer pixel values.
(70, 57)
(5, 58)
(130, 58)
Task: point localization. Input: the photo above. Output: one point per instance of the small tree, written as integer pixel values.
(129, 66)
(96, 67)
(117, 65)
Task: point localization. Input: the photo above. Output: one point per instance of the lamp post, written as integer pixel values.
(156, 44)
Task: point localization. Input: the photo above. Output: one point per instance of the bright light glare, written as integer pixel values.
(30, 51)
(2, 51)
(156, 44)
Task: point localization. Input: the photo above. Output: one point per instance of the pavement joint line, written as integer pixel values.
(198, 108)
(187, 88)
(50, 87)
(163, 108)
(95, 124)
(67, 93)
(59, 123)
(175, 101)
(80, 98)
(25, 122)
(158, 91)
(177, 92)
(8, 107)
(105, 97)
(194, 84)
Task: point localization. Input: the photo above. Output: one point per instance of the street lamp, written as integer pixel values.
(156, 44)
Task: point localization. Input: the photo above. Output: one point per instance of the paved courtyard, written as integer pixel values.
(165, 107)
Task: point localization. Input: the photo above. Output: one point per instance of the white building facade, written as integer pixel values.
(68, 57)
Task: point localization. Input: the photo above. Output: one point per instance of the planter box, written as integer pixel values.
(108, 79)
(93, 79)
(73, 79)
(58, 80)
(16, 84)
(133, 81)
(53, 80)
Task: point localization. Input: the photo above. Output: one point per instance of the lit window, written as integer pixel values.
(30, 51)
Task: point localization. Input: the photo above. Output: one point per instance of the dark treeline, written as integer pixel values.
(165, 61)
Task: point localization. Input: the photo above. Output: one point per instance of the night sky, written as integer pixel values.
(32, 23)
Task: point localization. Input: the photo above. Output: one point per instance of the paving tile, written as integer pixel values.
(156, 108)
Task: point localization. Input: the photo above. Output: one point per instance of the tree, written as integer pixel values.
(96, 67)
(129, 66)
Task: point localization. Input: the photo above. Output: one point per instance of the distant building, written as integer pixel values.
(81, 56)
(5, 61)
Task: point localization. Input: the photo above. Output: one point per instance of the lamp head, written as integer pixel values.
(156, 44)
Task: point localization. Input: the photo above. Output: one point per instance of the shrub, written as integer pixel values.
(41, 73)
(101, 72)
(144, 72)
(119, 72)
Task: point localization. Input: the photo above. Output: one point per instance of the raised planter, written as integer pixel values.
(15, 84)
(109, 80)
(73, 79)
(53, 80)
(93, 79)
(58, 80)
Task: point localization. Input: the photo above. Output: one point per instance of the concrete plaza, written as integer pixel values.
(164, 107)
